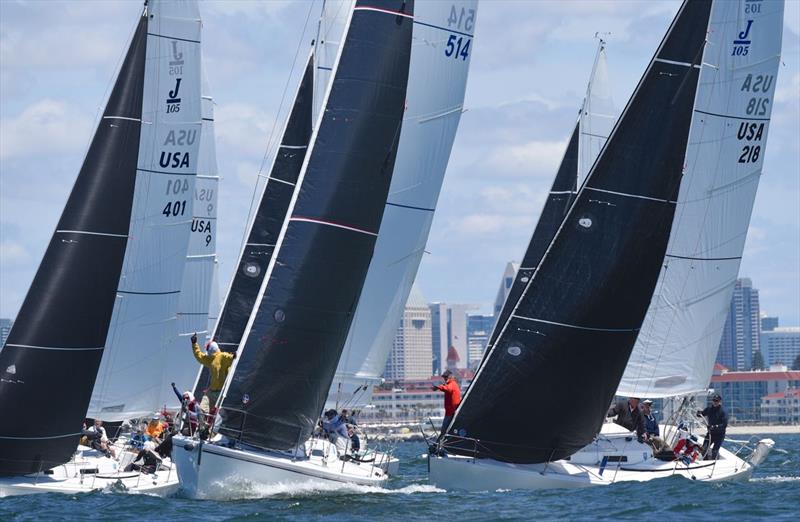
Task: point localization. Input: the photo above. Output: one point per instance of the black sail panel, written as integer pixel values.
(543, 391)
(57, 340)
(269, 217)
(290, 355)
(558, 202)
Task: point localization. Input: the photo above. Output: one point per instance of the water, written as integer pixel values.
(774, 492)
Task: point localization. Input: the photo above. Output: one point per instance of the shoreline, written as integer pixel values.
(763, 429)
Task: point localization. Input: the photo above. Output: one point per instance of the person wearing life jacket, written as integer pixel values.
(717, 420)
(218, 364)
(150, 459)
(337, 432)
(190, 409)
(452, 398)
(687, 449)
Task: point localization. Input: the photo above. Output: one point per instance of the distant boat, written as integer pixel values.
(560, 355)
(292, 339)
(107, 284)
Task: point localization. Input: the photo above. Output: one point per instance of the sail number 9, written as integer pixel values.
(457, 47)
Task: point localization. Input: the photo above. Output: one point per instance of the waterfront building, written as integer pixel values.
(781, 345)
(439, 338)
(5, 329)
(506, 282)
(742, 391)
(769, 323)
(410, 399)
(410, 357)
(479, 328)
(740, 337)
(449, 330)
(781, 407)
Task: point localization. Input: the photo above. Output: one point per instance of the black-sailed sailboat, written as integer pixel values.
(296, 332)
(107, 277)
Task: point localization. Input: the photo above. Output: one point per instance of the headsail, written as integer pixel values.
(437, 81)
(577, 320)
(143, 325)
(196, 307)
(595, 121)
(678, 343)
(296, 334)
(57, 341)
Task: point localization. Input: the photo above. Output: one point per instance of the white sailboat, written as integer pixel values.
(306, 278)
(146, 147)
(723, 152)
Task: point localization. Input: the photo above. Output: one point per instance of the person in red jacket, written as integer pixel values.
(452, 398)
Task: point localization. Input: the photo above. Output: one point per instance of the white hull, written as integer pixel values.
(213, 471)
(91, 471)
(610, 459)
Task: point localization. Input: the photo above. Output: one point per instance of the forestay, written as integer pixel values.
(57, 341)
(296, 334)
(143, 323)
(677, 346)
(440, 55)
(578, 318)
(195, 306)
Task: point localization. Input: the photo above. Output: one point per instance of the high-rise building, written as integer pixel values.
(740, 337)
(457, 327)
(440, 340)
(411, 351)
(479, 328)
(505, 286)
(5, 329)
(769, 323)
(781, 345)
(449, 330)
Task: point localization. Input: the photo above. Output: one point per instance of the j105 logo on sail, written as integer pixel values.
(173, 101)
(176, 63)
(741, 46)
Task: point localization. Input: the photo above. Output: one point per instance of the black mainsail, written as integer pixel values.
(544, 388)
(58, 338)
(289, 355)
(267, 222)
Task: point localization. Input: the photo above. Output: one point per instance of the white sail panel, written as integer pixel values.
(332, 23)
(678, 343)
(597, 116)
(144, 318)
(440, 55)
(199, 276)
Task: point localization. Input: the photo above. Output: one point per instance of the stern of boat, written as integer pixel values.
(760, 452)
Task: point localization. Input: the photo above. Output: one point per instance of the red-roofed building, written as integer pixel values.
(781, 407)
(742, 391)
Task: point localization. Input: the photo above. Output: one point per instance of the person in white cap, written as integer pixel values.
(218, 364)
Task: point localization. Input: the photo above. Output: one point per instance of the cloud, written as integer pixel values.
(13, 254)
(46, 127)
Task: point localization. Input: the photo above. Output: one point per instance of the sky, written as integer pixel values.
(530, 64)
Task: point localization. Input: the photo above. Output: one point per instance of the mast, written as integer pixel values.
(57, 341)
(434, 104)
(675, 351)
(144, 322)
(572, 330)
(276, 390)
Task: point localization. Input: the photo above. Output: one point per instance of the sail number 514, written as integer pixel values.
(457, 47)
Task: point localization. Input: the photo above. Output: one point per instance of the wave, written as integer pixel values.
(243, 489)
(776, 478)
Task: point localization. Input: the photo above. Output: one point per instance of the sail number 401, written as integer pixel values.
(174, 208)
(457, 47)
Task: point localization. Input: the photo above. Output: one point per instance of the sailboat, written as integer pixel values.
(434, 104)
(293, 337)
(583, 309)
(107, 278)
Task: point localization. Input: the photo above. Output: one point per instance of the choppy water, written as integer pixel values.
(774, 493)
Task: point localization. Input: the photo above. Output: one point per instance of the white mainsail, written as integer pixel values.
(679, 339)
(143, 322)
(598, 115)
(440, 56)
(199, 299)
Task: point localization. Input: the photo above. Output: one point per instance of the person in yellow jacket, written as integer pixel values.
(218, 364)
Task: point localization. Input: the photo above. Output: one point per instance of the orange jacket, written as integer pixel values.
(452, 396)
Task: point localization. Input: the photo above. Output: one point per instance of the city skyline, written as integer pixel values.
(521, 102)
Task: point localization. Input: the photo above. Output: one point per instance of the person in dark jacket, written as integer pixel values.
(148, 456)
(629, 416)
(717, 420)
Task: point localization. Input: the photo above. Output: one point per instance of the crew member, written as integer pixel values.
(629, 416)
(652, 431)
(218, 364)
(717, 421)
(452, 398)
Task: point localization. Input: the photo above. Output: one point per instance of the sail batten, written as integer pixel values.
(597, 272)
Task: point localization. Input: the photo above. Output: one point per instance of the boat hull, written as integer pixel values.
(213, 471)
